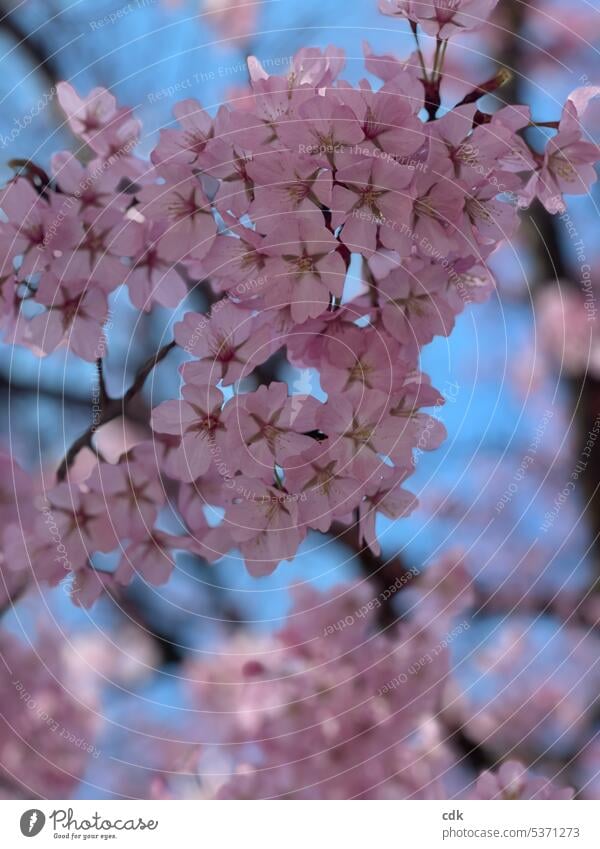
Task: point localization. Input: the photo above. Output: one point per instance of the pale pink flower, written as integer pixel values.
(263, 521)
(97, 253)
(228, 344)
(72, 524)
(386, 120)
(568, 165)
(310, 67)
(325, 491)
(229, 154)
(45, 713)
(404, 74)
(150, 557)
(443, 18)
(566, 331)
(237, 262)
(186, 146)
(274, 102)
(490, 220)
(151, 277)
(37, 229)
(196, 420)
(360, 430)
(437, 211)
(306, 268)
(417, 429)
(133, 489)
(414, 304)
(372, 199)
(77, 311)
(385, 495)
(270, 427)
(362, 357)
(233, 19)
(306, 347)
(183, 206)
(108, 130)
(287, 183)
(93, 187)
(325, 128)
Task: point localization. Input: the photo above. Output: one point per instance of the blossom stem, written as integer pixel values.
(441, 59)
(502, 78)
(553, 125)
(413, 27)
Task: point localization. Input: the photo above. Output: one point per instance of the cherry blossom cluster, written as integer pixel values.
(335, 230)
(49, 719)
(327, 712)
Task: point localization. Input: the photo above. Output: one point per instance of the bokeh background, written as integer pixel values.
(519, 375)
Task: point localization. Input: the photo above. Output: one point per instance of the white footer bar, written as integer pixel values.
(301, 825)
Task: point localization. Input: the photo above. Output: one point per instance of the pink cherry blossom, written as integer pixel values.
(443, 18)
(37, 229)
(364, 358)
(385, 495)
(151, 277)
(237, 263)
(414, 304)
(108, 130)
(75, 316)
(186, 211)
(289, 183)
(197, 421)
(568, 164)
(437, 210)
(44, 710)
(93, 187)
(306, 267)
(390, 129)
(228, 345)
(263, 521)
(186, 146)
(133, 489)
(325, 492)
(270, 426)
(372, 199)
(326, 128)
(360, 431)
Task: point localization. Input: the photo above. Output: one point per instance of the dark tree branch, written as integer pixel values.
(34, 48)
(114, 408)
